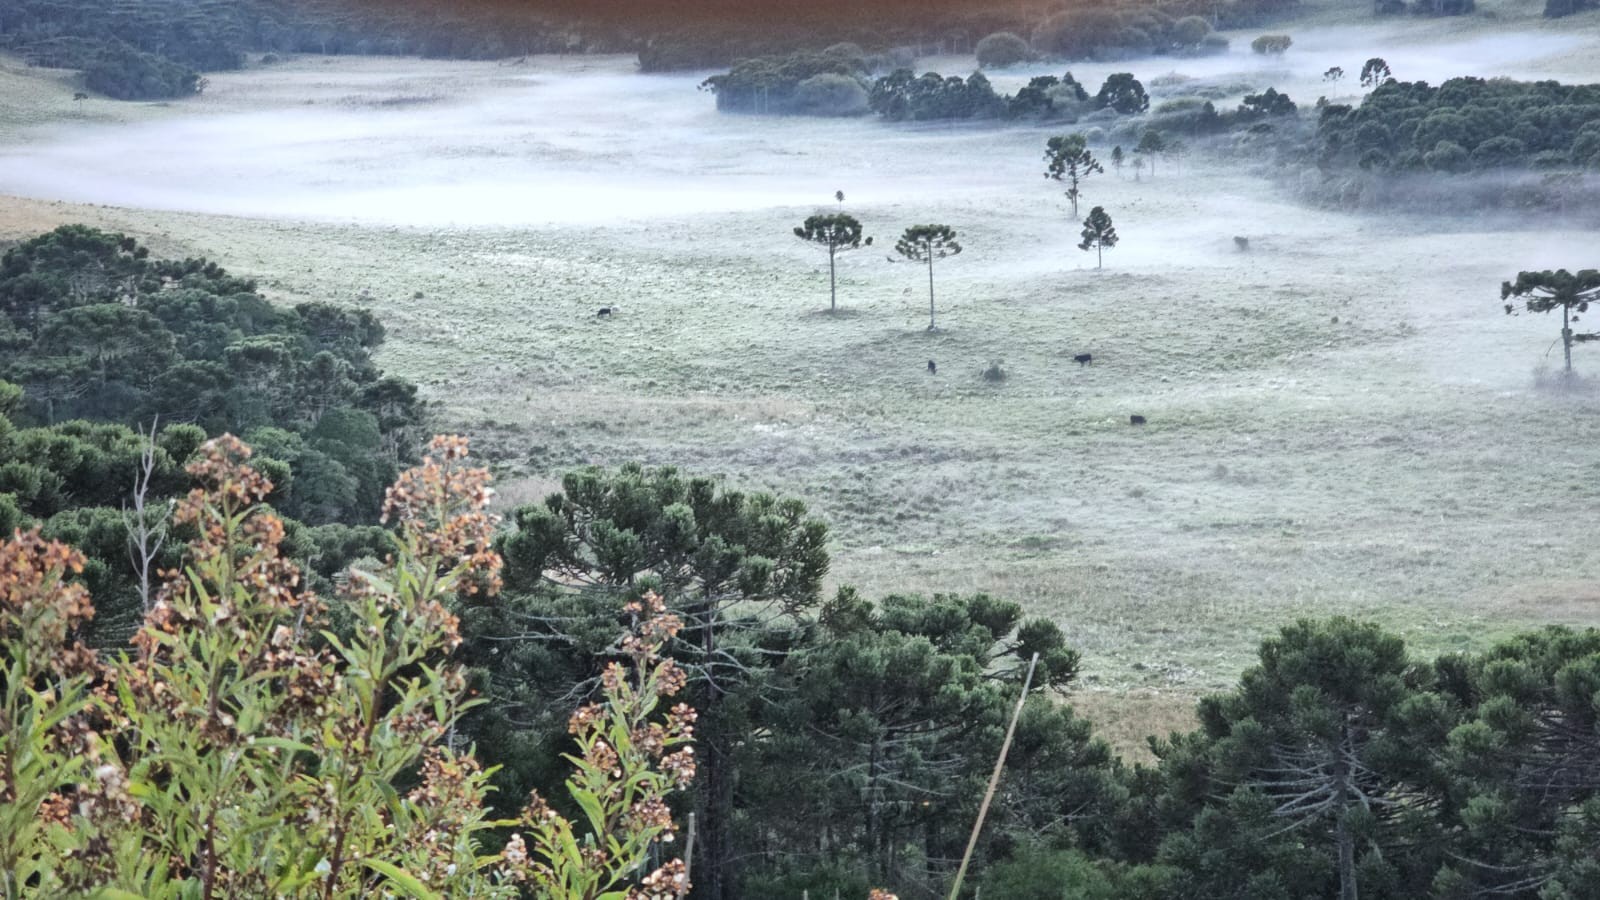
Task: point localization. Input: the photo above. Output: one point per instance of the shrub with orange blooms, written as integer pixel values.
(245, 748)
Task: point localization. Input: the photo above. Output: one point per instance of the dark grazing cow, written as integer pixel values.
(933, 367)
(1136, 420)
(1083, 359)
(605, 312)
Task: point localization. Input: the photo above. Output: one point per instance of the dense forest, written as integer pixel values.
(1466, 124)
(103, 343)
(841, 743)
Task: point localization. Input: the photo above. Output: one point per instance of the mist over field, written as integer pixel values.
(587, 141)
(1341, 419)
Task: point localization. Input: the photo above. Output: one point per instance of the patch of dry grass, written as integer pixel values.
(1125, 719)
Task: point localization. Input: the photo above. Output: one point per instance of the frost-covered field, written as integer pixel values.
(1341, 420)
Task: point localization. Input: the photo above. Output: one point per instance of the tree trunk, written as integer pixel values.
(1566, 336)
(1347, 862)
(715, 871)
(716, 866)
(1347, 849)
(930, 289)
(833, 288)
(1099, 255)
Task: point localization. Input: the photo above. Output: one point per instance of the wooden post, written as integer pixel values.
(688, 851)
(994, 781)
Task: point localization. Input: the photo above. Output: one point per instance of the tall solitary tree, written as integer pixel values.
(1069, 161)
(926, 243)
(1544, 291)
(1117, 158)
(1098, 233)
(1151, 143)
(836, 233)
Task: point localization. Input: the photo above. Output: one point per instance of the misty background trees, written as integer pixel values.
(1069, 161)
(1098, 234)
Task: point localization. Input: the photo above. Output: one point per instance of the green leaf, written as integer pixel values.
(405, 880)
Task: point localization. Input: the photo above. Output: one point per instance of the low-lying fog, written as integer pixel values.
(589, 142)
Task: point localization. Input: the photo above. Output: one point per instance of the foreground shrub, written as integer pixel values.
(246, 749)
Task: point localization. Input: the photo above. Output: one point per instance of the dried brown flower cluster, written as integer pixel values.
(627, 764)
(245, 749)
(441, 504)
(39, 607)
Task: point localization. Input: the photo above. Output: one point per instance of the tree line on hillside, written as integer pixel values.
(836, 83)
(1464, 124)
(841, 743)
(104, 344)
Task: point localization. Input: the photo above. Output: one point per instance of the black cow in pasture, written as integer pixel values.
(1136, 420)
(605, 312)
(1083, 359)
(933, 367)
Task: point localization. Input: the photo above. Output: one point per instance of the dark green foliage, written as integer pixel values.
(1442, 128)
(790, 85)
(145, 49)
(903, 96)
(1118, 32)
(772, 84)
(1098, 234)
(1190, 33)
(927, 243)
(742, 570)
(832, 734)
(1310, 774)
(1069, 162)
(1123, 93)
(1374, 72)
(830, 94)
(1037, 873)
(122, 73)
(1266, 103)
(1272, 44)
(1047, 96)
(1523, 761)
(99, 330)
(897, 712)
(1555, 9)
(1151, 145)
(1002, 49)
(1542, 292)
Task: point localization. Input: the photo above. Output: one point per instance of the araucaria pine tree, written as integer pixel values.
(926, 243)
(1545, 291)
(836, 233)
(1069, 161)
(1098, 233)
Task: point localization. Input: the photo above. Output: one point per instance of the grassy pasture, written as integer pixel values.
(1341, 419)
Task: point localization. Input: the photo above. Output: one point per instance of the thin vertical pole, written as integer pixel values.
(994, 780)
